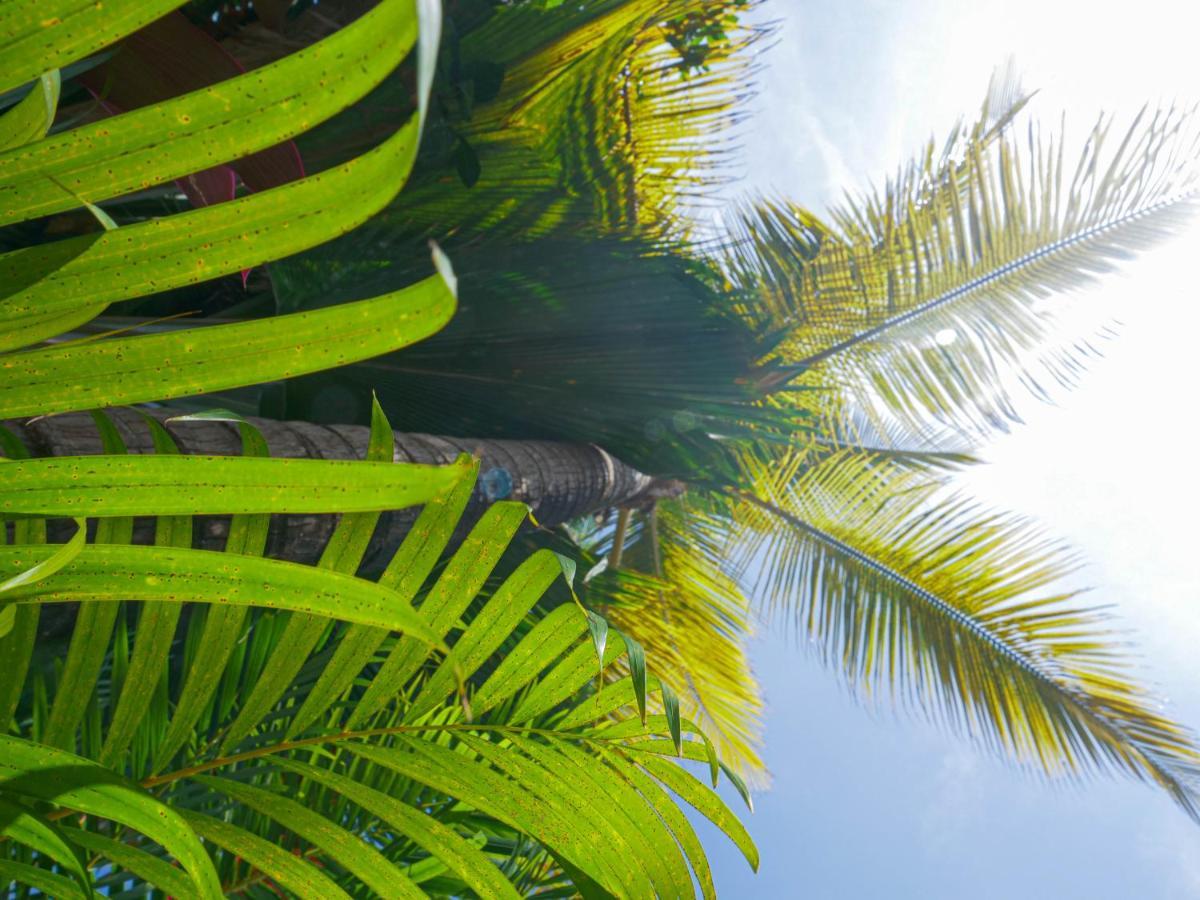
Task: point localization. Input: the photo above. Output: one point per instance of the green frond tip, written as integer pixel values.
(637, 673)
(671, 709)
(48, 566)
(598, 629)
(568, 567)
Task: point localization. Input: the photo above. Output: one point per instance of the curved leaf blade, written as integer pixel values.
(222, 625)
(110, 573)
(50, 884)
(39, 35)
(155, 632)
(32, 117)
(343, 553)
(78, 276)
(197, 361)
(93, 626)
(410, 566)
(154, 870)
(286, 869)
(35, 770)
(351, 851)
(103, 486)
(461, 857)
(703, 801)
(51, 564)
(213, 125)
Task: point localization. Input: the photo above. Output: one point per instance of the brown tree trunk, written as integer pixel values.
(560, 481)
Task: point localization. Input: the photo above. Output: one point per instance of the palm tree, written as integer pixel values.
(829, 487)
(559, 481)
(873, 349)
(812, 438)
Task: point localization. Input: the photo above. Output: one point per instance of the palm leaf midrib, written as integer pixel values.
(980, 281)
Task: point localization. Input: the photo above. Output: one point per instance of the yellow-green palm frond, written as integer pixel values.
(695, 620)
(598, 122)
(955, 610)
(917, 300)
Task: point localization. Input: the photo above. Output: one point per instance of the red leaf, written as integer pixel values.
(210, 186)
(169, 57)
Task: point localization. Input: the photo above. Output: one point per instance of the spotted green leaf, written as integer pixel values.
(39, 35)
(110, 573)
(120, 371)
(228, 120)
(31, 118)
(77, 277)
(192, 485)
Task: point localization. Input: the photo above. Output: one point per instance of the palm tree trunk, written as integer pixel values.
(560, 481)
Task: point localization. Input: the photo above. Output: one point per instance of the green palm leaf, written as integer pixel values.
(945, 605)
(917, 302)
(596, 123)
(33, 115)
(685, 606)
(39, 35)
(235, 118)
(361, 786)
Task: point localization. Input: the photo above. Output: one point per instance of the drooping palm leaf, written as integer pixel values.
(596, 121)
(582, 116)
(686, 607)
(956, 610)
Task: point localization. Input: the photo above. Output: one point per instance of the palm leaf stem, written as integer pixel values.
(167, 778)
(340, 737)
(618, 546)
(899, 580)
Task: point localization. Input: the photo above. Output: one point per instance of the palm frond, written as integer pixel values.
(917, 300)
(956, 610)
(218, 780)
(595, 122)
(682, 604)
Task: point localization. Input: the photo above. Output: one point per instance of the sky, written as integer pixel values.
(868, 804)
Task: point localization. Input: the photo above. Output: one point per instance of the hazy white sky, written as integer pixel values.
(870, 808)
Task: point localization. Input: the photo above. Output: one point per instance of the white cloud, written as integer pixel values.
(956, 801)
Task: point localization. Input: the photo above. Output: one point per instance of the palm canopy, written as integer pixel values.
(931, 599)
(844, 317)
(842, 513)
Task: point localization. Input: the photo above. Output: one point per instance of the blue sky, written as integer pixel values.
(867, 804)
